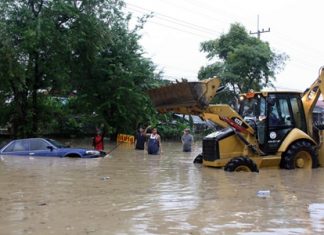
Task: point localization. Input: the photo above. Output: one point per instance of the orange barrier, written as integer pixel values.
(125, 138)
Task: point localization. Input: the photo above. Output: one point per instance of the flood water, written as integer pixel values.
(131, 192)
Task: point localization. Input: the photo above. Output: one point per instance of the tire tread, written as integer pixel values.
(288, 158)
(241, 161)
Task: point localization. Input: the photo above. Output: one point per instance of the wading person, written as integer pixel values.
(98, 140)
(140, 139)
(187, 140)
(154, 142)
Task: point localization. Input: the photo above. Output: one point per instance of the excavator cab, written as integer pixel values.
(273, 115)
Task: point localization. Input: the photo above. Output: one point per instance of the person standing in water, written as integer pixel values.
(186, 140)
(98, 140)
(140, 139)
(154, 142)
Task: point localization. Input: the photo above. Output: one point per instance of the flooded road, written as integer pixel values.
(131, 192)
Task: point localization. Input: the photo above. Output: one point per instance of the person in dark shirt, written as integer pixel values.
(140, 139)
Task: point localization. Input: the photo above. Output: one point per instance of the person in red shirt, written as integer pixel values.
(98, 140)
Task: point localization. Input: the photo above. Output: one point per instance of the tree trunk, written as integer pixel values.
(19, 118)
(35, 109)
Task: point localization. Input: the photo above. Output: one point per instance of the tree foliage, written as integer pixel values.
(71, 48)
(241, 61)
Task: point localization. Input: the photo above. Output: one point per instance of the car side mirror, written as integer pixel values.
(50, 148)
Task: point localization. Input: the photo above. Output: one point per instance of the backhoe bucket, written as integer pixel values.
(184, 97)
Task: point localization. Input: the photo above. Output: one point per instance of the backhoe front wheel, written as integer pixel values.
(198, 159)
(299, 155)
(241, 164)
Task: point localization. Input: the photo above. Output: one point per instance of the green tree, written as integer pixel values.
(112, 68)
(241, 61)
(53, 48)
(34, 58)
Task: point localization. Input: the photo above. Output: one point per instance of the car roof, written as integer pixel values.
(34, 138)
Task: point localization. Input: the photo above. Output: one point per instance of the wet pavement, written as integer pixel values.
(130, 192)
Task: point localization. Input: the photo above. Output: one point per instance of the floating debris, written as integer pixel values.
(105, 178)
(263, 193)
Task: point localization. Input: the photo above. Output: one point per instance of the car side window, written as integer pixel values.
(38, 145)
(16, 146)
(10, 147)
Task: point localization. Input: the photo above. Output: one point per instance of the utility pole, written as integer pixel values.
(258, 32)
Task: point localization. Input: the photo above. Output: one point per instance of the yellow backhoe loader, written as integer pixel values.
(270, 129)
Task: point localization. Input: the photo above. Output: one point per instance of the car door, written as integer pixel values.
(41, 148)
(17, 148)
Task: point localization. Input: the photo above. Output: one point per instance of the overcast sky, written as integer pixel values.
(172, 37)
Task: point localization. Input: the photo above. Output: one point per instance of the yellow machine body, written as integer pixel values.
(248, 143)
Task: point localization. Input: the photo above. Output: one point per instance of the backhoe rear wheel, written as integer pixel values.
(241, 164)
(299, 155)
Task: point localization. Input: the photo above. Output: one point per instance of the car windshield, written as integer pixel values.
(253, 107)
(56, 143)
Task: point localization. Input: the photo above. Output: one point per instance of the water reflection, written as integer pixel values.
(131, 192)
(316, 212)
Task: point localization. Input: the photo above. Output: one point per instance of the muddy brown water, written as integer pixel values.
(131, 192)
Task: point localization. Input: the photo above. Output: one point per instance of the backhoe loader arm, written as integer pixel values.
(310, 98)
(185, 97)
(194, 98)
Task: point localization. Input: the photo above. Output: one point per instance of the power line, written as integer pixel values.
(229, 14)
(179, 21)
(203, 14)
(173, 20)
(210, 8)
(177, 25)
(175, 28)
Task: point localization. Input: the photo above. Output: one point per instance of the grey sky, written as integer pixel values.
(172, 37)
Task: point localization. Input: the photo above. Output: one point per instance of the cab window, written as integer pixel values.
(298, 113)
(253, 108)
(279, 114)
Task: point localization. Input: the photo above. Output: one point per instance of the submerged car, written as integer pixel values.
(42, 147)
